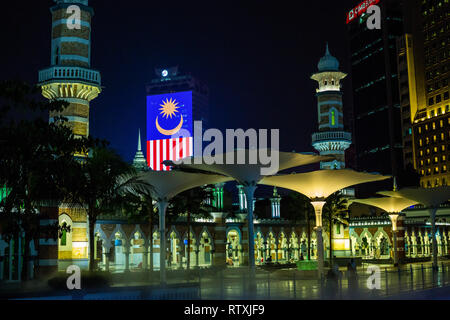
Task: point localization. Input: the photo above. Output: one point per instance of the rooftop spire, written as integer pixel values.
(139, 161)
(139, 142)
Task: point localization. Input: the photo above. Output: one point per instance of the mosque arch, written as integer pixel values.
(234, 251)
(206, 246)
(294, 246)
(193, 247)
(354, 242)
(138, 249)
(174, 248)
(65, 239)
(366, 244)
(119, 247)
(259, 247)
(383, 244)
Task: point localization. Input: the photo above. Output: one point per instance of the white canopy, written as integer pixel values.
(388, 204)
(167, 184)
(430, 197)
(323, 183)
(250, 172)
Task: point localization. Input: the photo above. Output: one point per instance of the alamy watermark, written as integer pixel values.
(232, 148)
(374, 20)
(74, 21)
(74, 280)
(374, 280)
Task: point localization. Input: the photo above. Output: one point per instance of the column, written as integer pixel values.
(250, 192)
(432, 212)
(318, 206)
(48, 248)
(106, 258)
(197, 257)
(218, 194)
(162, 207)
(220, 231)
(145, 256)
(127, 255)
(2, 267)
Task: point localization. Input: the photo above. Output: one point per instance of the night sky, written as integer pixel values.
(255, 56)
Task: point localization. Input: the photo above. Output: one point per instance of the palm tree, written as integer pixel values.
(33, 151)
(297, 207)
(335, 212)
(100, 184)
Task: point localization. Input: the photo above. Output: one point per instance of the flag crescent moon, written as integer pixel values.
(169, 132)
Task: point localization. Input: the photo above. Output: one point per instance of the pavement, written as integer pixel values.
(411, 281)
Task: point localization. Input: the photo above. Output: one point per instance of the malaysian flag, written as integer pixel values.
(169, 128)
(169, 149)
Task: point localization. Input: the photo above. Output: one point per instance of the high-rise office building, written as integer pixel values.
(423, 58)
(377, 121)
(174, 102)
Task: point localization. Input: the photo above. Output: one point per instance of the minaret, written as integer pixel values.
(70, 77)
(331, 138)
(139, 162)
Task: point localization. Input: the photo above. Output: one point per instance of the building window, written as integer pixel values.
(430, 101)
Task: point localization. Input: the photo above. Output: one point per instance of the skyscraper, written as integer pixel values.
(174, 102)
(331, 139)
(377, 122)
(423, 57)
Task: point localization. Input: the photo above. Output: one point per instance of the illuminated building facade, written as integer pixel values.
(423, 54)
(174, 102)
(377, 121)
(331, 139)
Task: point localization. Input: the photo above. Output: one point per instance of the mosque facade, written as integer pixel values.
(124, 246)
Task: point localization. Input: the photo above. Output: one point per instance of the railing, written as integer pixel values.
(70, 73)
(331, 135)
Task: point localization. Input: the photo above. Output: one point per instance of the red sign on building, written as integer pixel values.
(360, 9)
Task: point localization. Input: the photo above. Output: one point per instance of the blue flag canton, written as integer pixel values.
(169, 116)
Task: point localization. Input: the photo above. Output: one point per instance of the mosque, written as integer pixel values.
(121, 246)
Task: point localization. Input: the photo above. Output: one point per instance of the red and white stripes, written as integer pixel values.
(168, 149)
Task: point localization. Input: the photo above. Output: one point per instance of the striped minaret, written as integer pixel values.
(331, 140)
(70, 77)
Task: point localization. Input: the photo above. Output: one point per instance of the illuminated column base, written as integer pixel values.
(318, 207)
